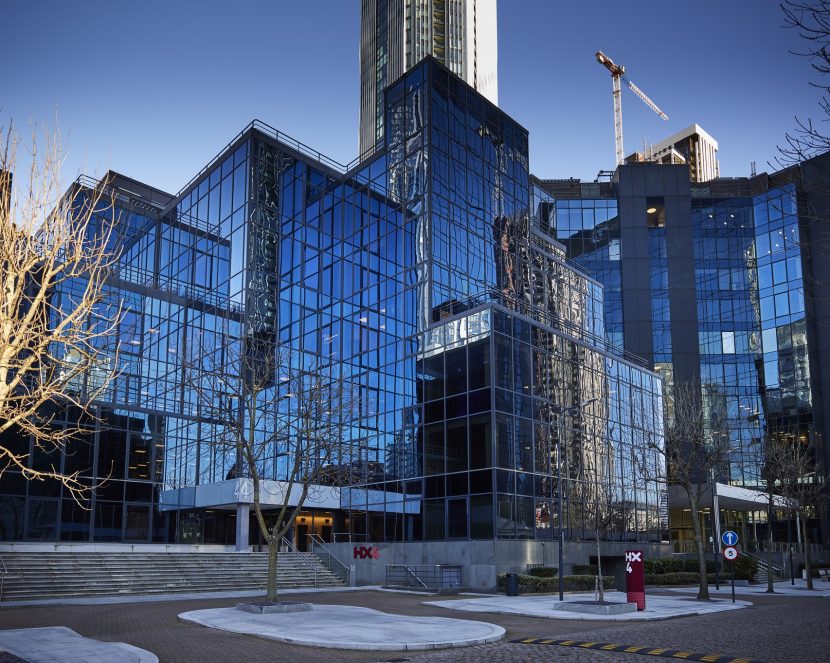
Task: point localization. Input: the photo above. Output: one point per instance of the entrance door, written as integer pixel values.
(302, 538)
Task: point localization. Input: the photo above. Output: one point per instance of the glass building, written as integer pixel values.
(431, 278)
(718, 283)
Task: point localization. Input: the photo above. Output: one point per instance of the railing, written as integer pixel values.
(430, 577)
(686, 546)
(292, 548)
(340, 569)
(783, 547)
(777, 571)
(3, 573)
(349, 537)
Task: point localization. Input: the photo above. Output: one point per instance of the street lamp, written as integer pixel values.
(562, 413)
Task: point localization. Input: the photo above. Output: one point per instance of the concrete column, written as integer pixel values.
(242, 520)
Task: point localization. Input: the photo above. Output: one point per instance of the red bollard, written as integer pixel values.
(635, 583)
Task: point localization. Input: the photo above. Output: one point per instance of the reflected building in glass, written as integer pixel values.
(720, 283)
(431, 277)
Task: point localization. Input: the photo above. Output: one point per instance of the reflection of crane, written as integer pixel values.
(617, 73)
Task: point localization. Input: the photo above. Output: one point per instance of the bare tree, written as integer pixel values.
(58, 348)
(599, 498)
(696, 448)
(811, 19)
(774, 466)
(282, 414)
(800, 481)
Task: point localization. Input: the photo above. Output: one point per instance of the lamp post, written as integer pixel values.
(562, 414)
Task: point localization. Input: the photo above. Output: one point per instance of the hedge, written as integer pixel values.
(675, 565)
(585, 569)
(745, 567)
(544, 572)
(534, 584)
(676, 578)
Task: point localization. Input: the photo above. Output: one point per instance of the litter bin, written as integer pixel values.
(512, 584)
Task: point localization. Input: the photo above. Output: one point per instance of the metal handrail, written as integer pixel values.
(410, 572)
(762, 561)
(317, 540)
(349, 537)
(292, 548)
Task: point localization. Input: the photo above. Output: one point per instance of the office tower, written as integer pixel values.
(721, 283)
(396, 34)
(489, 401)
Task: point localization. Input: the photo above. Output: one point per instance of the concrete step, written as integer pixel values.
(44, 575)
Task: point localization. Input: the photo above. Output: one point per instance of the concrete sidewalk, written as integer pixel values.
(351, 627)
(782, 588)
(58, 643)
(657, 607)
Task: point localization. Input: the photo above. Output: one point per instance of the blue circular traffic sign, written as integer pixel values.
(729, 538)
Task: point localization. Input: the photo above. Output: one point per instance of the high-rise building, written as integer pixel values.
(721, 283)
(396, 34)
(489, 401)
(692, 146)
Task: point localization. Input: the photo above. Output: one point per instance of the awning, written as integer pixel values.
(732, 498)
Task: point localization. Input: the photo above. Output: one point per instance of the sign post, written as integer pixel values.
(635, 584)
(730, 554)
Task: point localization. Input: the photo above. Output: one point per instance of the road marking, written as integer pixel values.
(663, 652)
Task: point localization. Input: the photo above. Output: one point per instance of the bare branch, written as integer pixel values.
(57, 320)
(282, 415)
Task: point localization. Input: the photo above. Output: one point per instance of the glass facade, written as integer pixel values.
(428, 277)
(749, 256)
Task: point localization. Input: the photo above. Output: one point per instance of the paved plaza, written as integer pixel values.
(776, 629)
(657, 607)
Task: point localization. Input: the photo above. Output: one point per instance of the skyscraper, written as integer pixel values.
(396, 34)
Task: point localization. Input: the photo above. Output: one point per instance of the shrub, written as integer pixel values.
(675, 565)
(544, 572)
(585, 569)
(745, 567)
(676, 578)
(534, 584)
(664, 565)
(587, 582)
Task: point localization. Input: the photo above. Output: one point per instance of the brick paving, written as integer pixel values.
(778, 630)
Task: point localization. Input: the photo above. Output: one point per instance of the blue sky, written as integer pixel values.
(155, 89)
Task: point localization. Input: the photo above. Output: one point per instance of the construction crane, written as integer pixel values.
(618, 74)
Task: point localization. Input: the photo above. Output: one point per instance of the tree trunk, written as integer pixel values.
(770, 579)
(703, 589)
(808, 567)
(273, 551)
(599, 572)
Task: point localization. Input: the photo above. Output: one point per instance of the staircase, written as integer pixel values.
(43, 575)
(763, 570)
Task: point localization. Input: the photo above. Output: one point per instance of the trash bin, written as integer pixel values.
(512, 584)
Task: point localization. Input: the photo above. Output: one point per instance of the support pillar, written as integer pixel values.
(242, 522)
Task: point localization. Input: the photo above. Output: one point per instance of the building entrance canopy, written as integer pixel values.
(731, 498)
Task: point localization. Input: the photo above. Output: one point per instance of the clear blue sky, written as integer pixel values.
(155, 89)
